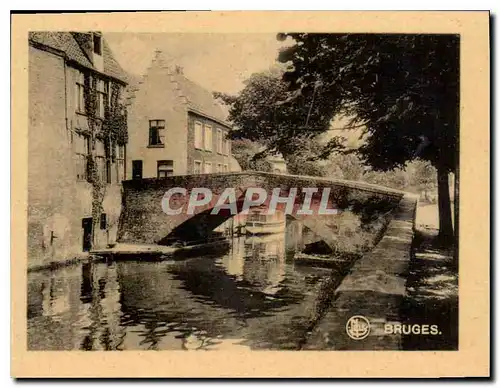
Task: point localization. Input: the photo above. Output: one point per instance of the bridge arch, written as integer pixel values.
(143, 220)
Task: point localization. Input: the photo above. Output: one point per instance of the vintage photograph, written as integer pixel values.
(243, 191)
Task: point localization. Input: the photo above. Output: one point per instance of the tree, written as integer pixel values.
(299, 164)
(263, 113)
(423, 178)
(345, 166)
(403, 90)
(247, 153)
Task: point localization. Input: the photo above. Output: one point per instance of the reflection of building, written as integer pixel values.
(259, 260)
(176, 126)
(65, 70)
(234, 261)
(265, 265)
(99, 308)
(81, 306)
(294, 232)
(233, 226)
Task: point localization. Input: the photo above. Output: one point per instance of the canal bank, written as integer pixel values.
(374, 288)
(135, 252)
(257, 293)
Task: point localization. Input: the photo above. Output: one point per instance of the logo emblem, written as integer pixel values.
(358, 327)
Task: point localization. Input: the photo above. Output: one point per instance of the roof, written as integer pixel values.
(234, 166)
(132, 87)
(66, 43)
(199, 100)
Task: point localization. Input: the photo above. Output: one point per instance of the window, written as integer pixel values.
(220, 141)
(103, 222)
(219, 167)
(197, 167)
(208, 167)
(102, 97)
(120, 163)
(165, 168)
(102, 161)
(80, 93)
(208, 137)
(227, 147)
(82, 151)
(156, 129)
(198, 135)
(226, 169)
(97, 44)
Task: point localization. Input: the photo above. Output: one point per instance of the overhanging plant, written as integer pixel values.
(110, 129)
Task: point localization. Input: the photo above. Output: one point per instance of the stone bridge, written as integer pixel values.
(143, 220)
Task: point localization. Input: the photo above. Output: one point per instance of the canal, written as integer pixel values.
(252, 295)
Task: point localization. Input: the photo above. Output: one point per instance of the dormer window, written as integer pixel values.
(97, 54)
(97, 44)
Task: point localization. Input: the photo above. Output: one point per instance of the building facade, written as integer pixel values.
(175, 126)
(75, 86)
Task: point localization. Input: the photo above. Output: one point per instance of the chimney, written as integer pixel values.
(179, 69)
(157, 54)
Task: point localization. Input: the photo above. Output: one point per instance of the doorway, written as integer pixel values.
(87, 233)
(136, 169)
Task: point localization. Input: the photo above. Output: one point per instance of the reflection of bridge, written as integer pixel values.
(144, 222)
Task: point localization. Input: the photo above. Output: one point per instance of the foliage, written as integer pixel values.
(93, 176)
(114, 125)
(249, 157)
(110, 130)
(261, 113)
(415, 176)
(345, 166)
(403, 90)
(309, 160)
(423, 175)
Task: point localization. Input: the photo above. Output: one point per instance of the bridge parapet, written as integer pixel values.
(144, 221)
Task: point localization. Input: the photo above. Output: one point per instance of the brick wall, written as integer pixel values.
(203, 155)
(56, 201)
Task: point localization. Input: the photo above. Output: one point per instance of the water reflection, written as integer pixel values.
(252, 296)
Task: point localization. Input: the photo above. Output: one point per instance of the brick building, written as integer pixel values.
(175, 126)
(61, 65)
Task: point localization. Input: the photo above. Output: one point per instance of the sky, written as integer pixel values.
(218, 62)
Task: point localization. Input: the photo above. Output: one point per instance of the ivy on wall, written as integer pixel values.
(110, 130)
(114, 126)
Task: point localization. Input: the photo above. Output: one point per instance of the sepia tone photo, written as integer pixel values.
(243, 191)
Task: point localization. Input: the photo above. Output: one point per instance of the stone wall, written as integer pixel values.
(143, 220)
(374, 288)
